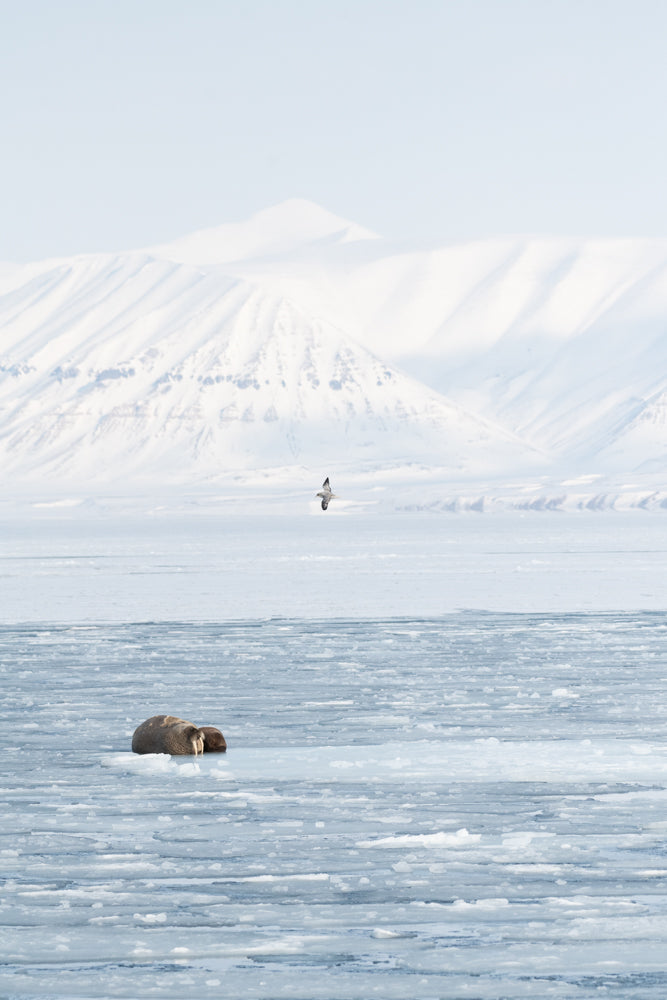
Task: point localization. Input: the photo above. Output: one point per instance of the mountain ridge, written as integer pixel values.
(280, 229)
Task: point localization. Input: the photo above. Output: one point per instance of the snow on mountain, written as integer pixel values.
(282, 229)
(127, 367)
(573, 343)
(564, 342)
(300, 340)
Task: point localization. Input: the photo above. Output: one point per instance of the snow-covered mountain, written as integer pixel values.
(563, 342)
(279, 231)
(131, 367)
(300, 340)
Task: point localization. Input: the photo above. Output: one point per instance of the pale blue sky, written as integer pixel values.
(130, 122)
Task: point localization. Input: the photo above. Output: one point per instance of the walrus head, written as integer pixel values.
(196, 739)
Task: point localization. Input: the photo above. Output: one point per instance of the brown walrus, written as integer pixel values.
(168, 734)
(214, 741)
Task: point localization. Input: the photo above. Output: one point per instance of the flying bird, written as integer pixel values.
(326, 494)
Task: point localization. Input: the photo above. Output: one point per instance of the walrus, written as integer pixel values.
(214, 741)
(168, 734)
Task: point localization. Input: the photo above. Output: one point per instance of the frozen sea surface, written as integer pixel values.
(474, 805)
(70, 567)
(438, 805)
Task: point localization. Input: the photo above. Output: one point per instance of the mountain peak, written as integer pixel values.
(283, 228)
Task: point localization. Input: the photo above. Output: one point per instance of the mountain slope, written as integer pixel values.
(560, 341)
(127, 367)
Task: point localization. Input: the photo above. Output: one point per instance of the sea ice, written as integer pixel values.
(411, 805)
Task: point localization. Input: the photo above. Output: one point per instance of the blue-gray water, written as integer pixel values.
(472, 804)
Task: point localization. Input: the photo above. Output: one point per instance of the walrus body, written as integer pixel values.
(168, 734)
(214, 741)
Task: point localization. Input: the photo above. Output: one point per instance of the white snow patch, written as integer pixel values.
(442, 839)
